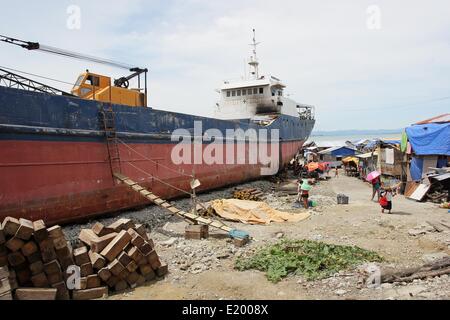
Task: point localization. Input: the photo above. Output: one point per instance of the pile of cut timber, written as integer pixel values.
(248, 194)
(36, 255)
(120, 255)
(38, 261)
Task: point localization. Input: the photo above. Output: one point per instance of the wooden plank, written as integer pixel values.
(29, 248)
(136, 239)
(135, 254)
(14, 244)
(35, 257)
(4, 286)
(16, 259)
(102, 242)
(54, 278)
(115, 267)
(25, 230)
(132, 278)
(137, 188)
(100, 230)
(52, 267)
(121, 286)
(98, 262)
(104, 274)
(10, 226)
(93, 281)
(62, 293)
(60, 243)
(35, 294)
(2, 235)
(90, 294)
(115, 247)
(81, 256)
(63, 253)
(55, 232)
(47, 250)
(86, 269)
(145, 193)
(140, 228)
(145, 249)
(40, 280)
(162, 270)
(88, 237)
(40, 230)
(132, 266)
(153, 260)
(36, 267)
(145, 269)
(124, 259)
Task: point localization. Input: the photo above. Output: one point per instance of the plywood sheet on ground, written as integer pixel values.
(254, 212)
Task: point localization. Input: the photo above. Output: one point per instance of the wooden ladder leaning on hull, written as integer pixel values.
(190, 217)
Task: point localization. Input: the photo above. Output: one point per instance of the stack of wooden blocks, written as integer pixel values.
(120, 255)
(117, 257)
(37, 255)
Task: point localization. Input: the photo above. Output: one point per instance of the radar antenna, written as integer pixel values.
(254, 59)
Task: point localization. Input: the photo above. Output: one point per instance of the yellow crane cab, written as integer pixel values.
(93, 86)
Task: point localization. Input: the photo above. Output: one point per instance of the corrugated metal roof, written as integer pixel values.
(441, 177)
(329, 150)
(443, 118)
(366, 155)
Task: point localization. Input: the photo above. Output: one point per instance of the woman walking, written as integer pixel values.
(376, 186)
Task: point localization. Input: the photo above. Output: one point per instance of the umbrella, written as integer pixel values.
(373, 175)
(312, 166)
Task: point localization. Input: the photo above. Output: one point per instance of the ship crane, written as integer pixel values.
(122, 82)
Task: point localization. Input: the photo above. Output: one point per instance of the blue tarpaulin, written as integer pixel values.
(430, 139)
(416, 168)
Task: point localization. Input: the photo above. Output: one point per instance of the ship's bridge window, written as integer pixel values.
(228, 94)
(239, 93)
(244, 92)
(93, 80)
(233, 93)
(261, 90)
(255, 90)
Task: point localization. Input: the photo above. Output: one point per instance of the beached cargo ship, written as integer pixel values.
(58, 152)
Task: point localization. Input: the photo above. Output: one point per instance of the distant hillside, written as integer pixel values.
(356, 132)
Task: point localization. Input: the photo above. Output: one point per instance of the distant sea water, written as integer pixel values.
(343, 138)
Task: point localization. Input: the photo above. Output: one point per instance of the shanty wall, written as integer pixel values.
(390, 161)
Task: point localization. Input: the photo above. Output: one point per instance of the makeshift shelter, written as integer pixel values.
(427, 143)
(367, 163)
(336, 153)
(430, 148)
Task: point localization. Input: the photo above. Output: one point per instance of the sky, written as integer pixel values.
(375, 64)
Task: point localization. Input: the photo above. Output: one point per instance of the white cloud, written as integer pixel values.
(323, 51)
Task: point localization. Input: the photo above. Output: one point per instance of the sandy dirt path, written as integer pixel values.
(204, 269)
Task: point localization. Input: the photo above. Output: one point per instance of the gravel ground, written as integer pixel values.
(153, 216)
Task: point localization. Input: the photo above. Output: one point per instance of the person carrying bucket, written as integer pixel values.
(303, 192)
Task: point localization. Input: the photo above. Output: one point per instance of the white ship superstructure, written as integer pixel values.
(257, 97)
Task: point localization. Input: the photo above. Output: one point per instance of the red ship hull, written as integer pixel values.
(62, 182)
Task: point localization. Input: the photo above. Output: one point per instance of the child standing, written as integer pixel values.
(386, 200)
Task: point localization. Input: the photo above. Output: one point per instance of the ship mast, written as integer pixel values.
(254, 73)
